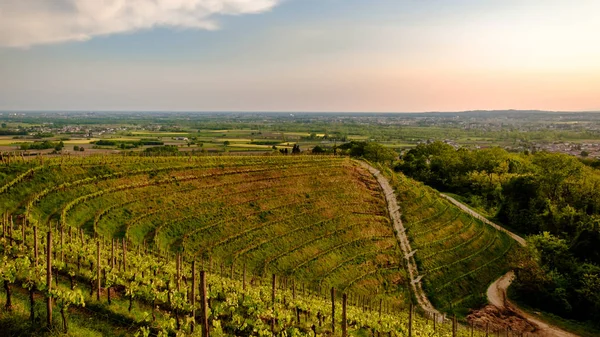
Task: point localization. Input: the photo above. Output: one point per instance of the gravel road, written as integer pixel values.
(394, 212)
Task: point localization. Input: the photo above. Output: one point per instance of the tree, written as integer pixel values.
(296, 149)
(584, 153)
(556, 170)
(59, 146)
(76, 148)
(318, 150)
(378, 153)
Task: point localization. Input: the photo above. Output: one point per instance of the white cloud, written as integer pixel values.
(24, 23)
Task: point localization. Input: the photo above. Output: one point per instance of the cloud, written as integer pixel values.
(24, 23)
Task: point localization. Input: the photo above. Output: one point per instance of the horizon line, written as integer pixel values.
(291, 111)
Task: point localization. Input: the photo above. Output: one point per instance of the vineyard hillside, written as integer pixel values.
(322, 220)
(253, 245)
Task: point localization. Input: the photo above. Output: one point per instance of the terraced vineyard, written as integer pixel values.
(457, 255)
(318, 219)
(316, 222)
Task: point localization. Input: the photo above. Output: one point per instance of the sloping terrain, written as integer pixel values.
(457, 255)
(321, 220)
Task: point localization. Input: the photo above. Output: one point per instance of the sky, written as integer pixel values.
(300, 55)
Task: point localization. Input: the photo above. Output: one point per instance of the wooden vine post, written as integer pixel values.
(244, 278)
(193, 300)
(23, 234)
(49, 278)
(62, 244)
(35, 246)
(454, 326)
(204, 304)
(98, 270)
(112, 254)
(10, 234)
(333, 310)
(344, 316)
(178, 271)
(274, 284)
(124, 256)
(410, 320)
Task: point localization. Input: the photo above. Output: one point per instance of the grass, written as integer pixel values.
(81, 322)
(458, 255)
(158, 133)
(14, 141)
(81, 141)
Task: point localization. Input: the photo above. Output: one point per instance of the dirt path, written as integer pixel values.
(476, 215)
(496, 292)
(394, 212)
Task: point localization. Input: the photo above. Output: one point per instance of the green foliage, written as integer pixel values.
(371, 151)
(318, 150)
(551, 193)
(42, 145)
(167, 149)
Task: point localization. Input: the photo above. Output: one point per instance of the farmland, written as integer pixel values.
(319, 228)
(318, 222)
(270, 132)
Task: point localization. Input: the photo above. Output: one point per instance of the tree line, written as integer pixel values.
(551, 197)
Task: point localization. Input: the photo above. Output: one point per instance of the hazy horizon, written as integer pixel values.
(384, 56)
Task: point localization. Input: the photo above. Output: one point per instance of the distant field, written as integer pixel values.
(159, 133)
(300, 134)
(251, 146)
(14, 141)
(81, 141)
(357, 137)
(229, 131)
(237, 140)
(399, 145)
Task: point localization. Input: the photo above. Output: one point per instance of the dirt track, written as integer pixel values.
(394, 212)
(496, 292)
(496, 295)
(476, 215)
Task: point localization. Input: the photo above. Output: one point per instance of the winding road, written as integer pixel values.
(497, 291)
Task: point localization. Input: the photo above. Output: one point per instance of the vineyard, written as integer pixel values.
(237, 245)
(457, 255)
